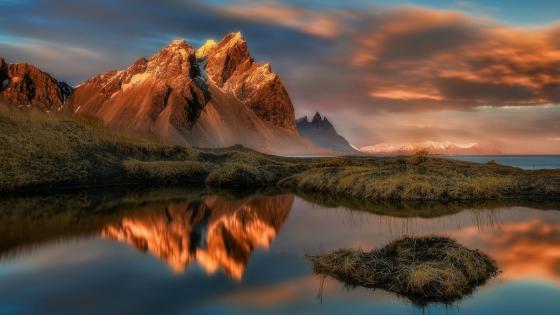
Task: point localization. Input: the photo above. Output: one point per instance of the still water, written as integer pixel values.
(529, 162)
(182, 251)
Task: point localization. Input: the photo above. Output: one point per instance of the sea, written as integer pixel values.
(529, 162)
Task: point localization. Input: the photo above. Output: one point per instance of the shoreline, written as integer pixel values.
(49, 153)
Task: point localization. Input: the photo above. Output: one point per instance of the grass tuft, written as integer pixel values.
(423, 269)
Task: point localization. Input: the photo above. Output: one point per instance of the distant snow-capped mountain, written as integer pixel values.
(433, 147)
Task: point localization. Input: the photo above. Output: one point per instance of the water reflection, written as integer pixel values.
(213, 231)
(90, 245)
(528, 249)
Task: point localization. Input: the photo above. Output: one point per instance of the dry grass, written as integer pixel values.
(423, 178)
(39, 151)
(167, 171)
(424, 269)
(45, 152)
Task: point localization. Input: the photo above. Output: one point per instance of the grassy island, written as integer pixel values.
(423, 269)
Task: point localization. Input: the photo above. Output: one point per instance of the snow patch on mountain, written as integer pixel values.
(137, 79)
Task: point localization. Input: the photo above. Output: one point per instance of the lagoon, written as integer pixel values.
(176, 251)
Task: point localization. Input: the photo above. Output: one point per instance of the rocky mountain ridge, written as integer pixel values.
(230, 66)
(215, 96)
(24, 85)
(322, 133)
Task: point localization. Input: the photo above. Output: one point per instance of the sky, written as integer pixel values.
(384, 72)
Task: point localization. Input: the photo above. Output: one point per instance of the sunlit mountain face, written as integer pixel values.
(396, 73)
(215, 233)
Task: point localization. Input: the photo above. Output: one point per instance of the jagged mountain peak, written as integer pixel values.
(317, 117)
(220, 98)
(319, 121)
(230, 66)
(176, 59)
(152, 95)
(25, 86)
(205, 49)
(179, 43)
(174, 66)
(233, 39)
(322, 133)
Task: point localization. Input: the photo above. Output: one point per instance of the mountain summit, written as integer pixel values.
(215, 96)
(230, 66)
(150, 95)
(323, 134)
(24, 85)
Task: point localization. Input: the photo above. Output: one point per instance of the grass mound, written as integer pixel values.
(423, 269)
(422, 178)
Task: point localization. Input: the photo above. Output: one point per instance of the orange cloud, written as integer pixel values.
(407, 94)
(306, 21)
(465, 61)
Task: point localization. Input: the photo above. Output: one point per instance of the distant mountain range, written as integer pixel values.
(323, 134)
(433, 147)
(215, 96)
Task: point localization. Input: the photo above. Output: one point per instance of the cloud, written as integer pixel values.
(406, 94)
(375, 71)
(506, 130)
(308, 21)
(465, 61)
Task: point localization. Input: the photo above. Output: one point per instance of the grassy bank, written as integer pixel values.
(423, 269)
(424, 178)
(45, 152)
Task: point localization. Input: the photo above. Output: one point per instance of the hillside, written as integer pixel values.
(41, 152)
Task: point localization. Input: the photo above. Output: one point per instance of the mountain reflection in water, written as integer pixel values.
(169, 251)
(214, 232)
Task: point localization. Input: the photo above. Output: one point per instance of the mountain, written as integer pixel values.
(323, 134)
(26, 86)
(230, 66)
(215, 96)
(433, 147)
